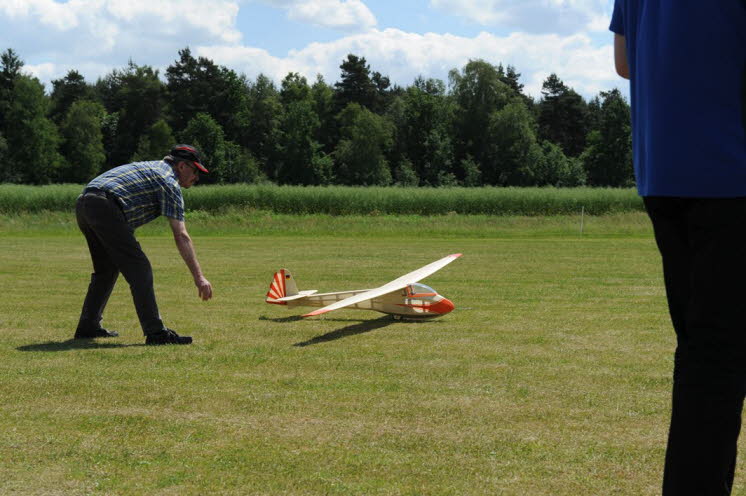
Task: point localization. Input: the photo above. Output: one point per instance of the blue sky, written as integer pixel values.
(401, 39)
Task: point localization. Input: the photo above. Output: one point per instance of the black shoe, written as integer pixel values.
(96, 333)
(168, 336)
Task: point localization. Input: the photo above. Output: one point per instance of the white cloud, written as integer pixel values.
(44, 72)
(535, 16)
(403, 56)
(345, 15)
(253, 61)
(48, 12)
(102, 28)
(184, 17)
(88, 35)
(600, 23)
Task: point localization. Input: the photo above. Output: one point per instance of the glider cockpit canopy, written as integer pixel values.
(418, 290)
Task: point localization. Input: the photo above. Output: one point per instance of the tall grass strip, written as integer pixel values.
(344, 200)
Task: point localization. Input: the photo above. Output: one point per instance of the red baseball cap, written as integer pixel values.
(188, 152)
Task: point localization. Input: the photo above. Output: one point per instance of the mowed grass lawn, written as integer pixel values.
(551, 377)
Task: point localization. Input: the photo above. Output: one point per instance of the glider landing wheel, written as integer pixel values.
(397, 317)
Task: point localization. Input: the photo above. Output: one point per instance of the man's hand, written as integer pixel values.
(184, 244)
(204, 288)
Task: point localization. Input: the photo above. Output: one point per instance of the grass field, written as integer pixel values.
(551, 377)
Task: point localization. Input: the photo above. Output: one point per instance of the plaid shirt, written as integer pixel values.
(144, 190)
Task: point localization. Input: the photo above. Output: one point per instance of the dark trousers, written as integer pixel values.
(703, 246)
(114, 249)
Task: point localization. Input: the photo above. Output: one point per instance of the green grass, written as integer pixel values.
(341, 200)
(551, 377)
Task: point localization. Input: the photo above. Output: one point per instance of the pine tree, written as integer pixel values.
(355, 84)
(67, 91)
(563, 116)
(199, 85)
(10, 71)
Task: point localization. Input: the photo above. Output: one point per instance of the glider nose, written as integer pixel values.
(443, 306)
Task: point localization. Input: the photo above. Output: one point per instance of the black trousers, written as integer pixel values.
(703, 246)
(114, 249)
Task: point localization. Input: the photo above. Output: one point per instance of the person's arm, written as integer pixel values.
(186, 249)
(620, 56)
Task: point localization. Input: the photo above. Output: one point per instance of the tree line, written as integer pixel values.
(479, 129)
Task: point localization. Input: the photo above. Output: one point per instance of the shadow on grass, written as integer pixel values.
(350, 330)
(292, 318)
(298, 318)
(74, 344)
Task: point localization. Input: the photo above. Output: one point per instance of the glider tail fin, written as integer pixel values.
(283, 284)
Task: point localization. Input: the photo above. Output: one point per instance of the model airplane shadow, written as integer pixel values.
(298, 318)
(354, 329)
(74, 344)
(292, 318)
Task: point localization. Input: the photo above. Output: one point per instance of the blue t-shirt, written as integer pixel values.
(687, 61)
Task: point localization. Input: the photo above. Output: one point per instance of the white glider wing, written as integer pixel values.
(395, 285)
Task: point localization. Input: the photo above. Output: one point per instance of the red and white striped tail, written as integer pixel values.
(282, 285)
(277, 288)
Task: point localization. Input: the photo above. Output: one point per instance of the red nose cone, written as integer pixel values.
(443, 306)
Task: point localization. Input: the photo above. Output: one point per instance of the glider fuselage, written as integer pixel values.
(404, 303)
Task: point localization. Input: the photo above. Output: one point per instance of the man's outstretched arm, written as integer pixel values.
(186, 249)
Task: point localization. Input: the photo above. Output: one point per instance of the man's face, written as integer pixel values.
(188, 174)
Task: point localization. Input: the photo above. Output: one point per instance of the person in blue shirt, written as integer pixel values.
(109, 210)
(686, 62)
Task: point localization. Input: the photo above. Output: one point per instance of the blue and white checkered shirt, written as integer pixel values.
(144, 190)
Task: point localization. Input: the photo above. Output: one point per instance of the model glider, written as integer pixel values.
(402, 297)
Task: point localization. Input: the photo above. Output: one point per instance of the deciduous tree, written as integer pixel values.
(82, 143)
(361, 153)
(608, 158)
(556, 169)
(478, 93)
(425, 132)
(513, 150)
(136, 95)
(33, 139)
(155, 142)
(240, 166)
(299, 158)
(207, 136)
(263, 134)
(323, 104)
